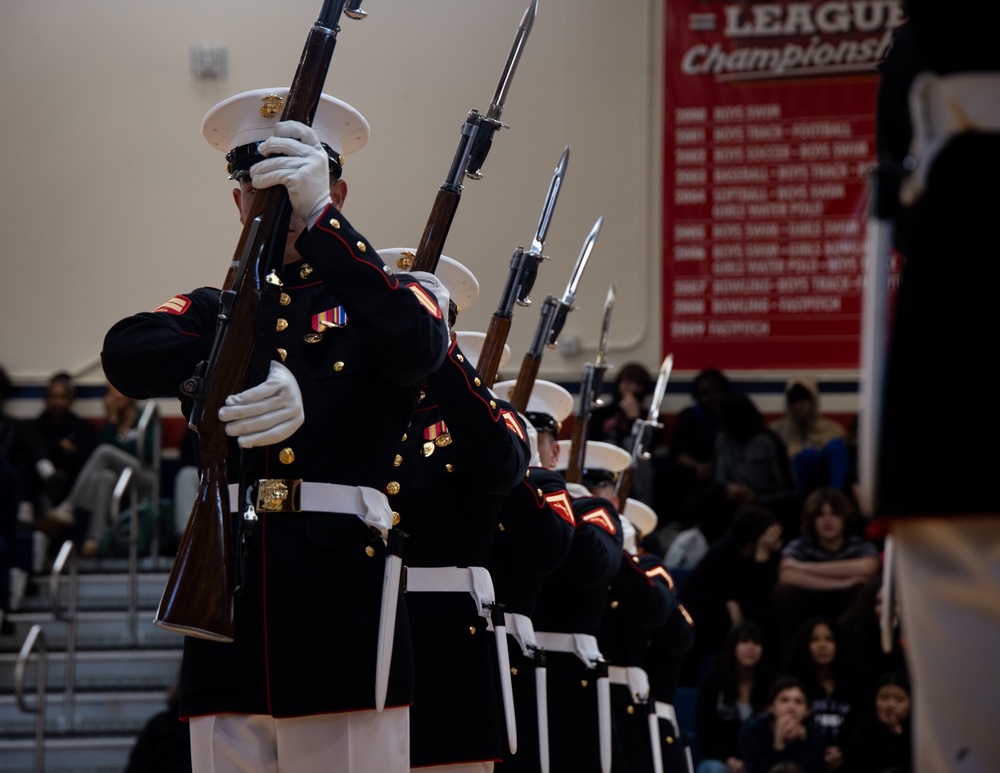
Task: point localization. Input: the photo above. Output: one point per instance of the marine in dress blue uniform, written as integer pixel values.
(358, 338)
(533, 538)
(457, 461)
(568, 615)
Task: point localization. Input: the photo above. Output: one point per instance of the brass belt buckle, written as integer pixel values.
(279, 495)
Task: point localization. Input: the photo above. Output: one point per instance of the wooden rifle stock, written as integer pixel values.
(525, 382)
(578, 438)
(577, 450)
(198, 597)
(492, 351)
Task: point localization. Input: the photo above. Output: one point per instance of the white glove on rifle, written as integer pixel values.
(435, 287)
(296, 160)
(267, 413)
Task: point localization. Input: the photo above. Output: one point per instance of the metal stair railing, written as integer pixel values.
(67, 560)
(151, 417)
(126, 483)
(35, 638)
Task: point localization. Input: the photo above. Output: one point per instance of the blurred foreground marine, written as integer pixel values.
(939, 128)
(296, 690)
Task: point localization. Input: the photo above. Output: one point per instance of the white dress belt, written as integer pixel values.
(583, 645)
(522, 630)
(634, 678)
(474, 580)
(368, 504)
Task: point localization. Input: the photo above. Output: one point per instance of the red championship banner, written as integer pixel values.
(769, 137)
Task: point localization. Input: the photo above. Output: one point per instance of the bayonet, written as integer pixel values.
(565, 304)
(520, 280)
(535, 253)
(474, 145)
(490, 122)
(601, 360)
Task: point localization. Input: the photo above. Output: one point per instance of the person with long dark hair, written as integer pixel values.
(822, 660)
(732, 692)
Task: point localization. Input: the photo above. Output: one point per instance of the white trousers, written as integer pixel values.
(351, 742)
(461, 767)
(948, 573)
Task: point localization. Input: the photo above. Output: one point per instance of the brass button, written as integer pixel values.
(392, 487)
(527, 473)
(583, 682)
(472, 630)
(450, 467)
(404, 437)
(476, 381)
(460, 358)
(395, 518)
(540, 492)
(369, 551)
(493, 404)
(284, 299)
(669, 739)
(398, 460)
(312, 338)
(282, 325)
(334, 223)
(614, 604)
(630, 710)
(338, 366)
(513, 671)
(286, 456)
(361, 247)
(500, 526)
(283, 354)
(305, 271)
(423, 394)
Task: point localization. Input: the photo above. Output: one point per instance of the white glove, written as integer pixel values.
(267, 413)
(435, 287)
(296, 160)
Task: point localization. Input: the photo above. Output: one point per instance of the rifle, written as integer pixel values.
(591, 383)
(473, 146)
(198, 597)
(520, 280)
(578, 438)
(550, 324)
(640, 433)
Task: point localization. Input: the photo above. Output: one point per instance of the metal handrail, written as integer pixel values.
(125, 483)
(67, 558)
(36, 636)
(151, 415)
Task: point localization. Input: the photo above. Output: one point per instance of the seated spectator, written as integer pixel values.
(823, 570)
(689, 466)
(822, 659)
(862, 625)
(751, 467)
(882, 740)
(63, 440)
(784, 734)
(164, 744)
(732, 693)
(117, 450)
(732, 583)
(10, 480)
(816, 444)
